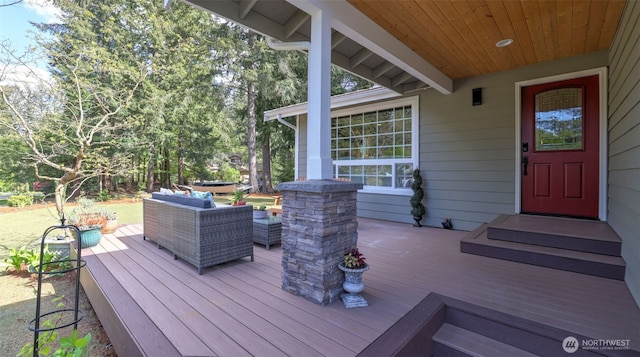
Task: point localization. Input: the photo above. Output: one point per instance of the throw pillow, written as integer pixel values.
(205, 196)
(165, 191)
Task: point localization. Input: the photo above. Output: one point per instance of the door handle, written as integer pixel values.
(525, 163)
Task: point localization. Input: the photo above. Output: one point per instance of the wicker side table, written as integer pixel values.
(267, 231)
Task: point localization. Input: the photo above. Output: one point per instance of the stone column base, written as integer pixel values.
(319, 225)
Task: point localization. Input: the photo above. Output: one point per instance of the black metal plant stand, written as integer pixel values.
(41, 270)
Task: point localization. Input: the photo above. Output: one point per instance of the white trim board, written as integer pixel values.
(601, 72)
(337, 101)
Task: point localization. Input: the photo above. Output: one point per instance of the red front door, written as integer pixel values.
(560, 145)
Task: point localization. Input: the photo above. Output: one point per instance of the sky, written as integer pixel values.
(14, 20)
(15, 27)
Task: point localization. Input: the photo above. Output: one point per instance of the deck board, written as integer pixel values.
(239, 308)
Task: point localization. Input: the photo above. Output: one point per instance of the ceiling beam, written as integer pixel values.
(360, 57)
(399, 79)
(337, 39)
(347, 23)
(382, 69)
(245, 6)
(412, 87)
(344, 62)
(231, 11)
(294, 23)
(355, 25)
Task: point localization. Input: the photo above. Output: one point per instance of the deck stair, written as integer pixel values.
(451, 340)
(442, 326)
(581, 246)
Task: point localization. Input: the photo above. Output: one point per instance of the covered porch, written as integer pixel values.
(150, 304)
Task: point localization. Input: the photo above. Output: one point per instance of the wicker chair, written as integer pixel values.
(201, 236)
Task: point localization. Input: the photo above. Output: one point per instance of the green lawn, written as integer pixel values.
(26, 227)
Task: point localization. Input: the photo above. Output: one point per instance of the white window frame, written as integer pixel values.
(413, 102)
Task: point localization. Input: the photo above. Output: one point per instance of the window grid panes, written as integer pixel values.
(558, 119)
(375, 147)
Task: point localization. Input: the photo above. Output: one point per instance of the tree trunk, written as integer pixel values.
(166, 174)
(251, 114)
(59, 197)
(180, 155)
(151, 167)
(267, 186)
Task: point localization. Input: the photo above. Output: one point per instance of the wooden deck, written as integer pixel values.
(239, 308)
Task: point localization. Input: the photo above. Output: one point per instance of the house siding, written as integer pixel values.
(467, 152)
(624, 141)
(384, 207)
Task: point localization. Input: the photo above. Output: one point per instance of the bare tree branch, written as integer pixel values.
(11, 3)
(59, 132)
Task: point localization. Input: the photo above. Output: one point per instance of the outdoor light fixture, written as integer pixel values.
(476, 96)
(504, 43)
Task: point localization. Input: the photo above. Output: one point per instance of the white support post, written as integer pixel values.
(319, 163)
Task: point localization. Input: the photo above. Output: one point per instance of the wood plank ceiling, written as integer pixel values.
(459, 37)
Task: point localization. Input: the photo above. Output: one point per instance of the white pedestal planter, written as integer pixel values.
(353, 285)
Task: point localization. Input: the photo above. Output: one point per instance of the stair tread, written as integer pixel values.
(569, 227)
(474, 344)
(482, 238)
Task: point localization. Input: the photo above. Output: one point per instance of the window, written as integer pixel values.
(558, 115)
(376, 145)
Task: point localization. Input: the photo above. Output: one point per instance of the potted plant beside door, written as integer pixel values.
(417, 208)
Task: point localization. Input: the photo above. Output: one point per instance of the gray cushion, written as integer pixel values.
(183, 200)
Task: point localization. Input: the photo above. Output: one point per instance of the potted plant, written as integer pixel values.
(87, 214)
(111, 224)
(417, 209)
(259, 212)
(237, 198)
(90, 235)
(90, 232)
(353, 265)
(89, 219)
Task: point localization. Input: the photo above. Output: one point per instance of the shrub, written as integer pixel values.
(228, 173)
(20, 201)
(50, 343)
(417, 208)
(19, 258)
(104, 195)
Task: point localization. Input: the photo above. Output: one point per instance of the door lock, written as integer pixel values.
(525, 147)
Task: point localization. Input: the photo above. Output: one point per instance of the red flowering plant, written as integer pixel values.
(354, 259)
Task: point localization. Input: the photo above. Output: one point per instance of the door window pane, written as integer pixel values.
(558, 119)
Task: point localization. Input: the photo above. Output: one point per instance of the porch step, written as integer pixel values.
(606, 266)
(565, 233)
(442, 326)
(451, 340)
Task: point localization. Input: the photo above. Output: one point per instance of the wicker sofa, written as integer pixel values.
(201, 236)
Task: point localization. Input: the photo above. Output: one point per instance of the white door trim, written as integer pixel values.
(602, 76)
